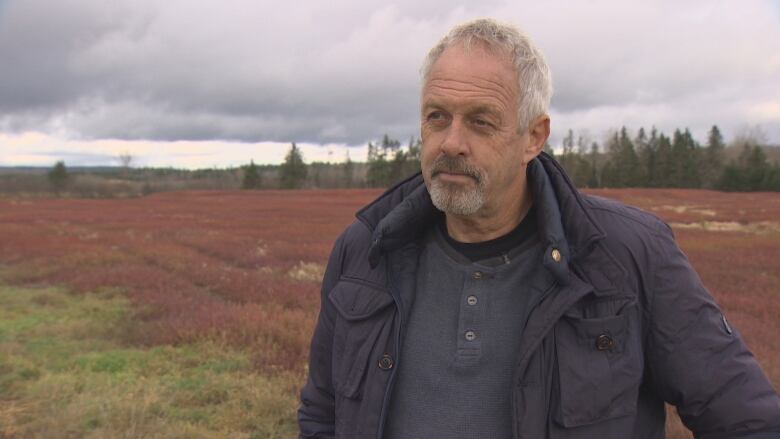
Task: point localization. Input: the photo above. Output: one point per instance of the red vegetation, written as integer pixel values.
(218, 264)
(692, 205)
(196, 264)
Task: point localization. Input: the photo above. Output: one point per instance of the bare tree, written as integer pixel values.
(125, 159)
(584, 142)
(749, 135)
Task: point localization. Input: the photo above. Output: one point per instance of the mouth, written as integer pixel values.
(453, 176)
(455, 171)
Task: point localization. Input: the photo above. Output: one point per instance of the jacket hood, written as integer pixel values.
(400, 215)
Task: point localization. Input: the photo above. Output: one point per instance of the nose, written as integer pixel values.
(454, 142)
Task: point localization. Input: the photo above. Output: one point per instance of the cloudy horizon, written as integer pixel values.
(208, 83)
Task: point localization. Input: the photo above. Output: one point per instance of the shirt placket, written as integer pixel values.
(471, 319)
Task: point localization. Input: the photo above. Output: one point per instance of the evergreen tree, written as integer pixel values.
(691, 169)
(754, 167)
(315, 173)
(712, 164)
(292, 173)
(731, 179)
(622, 168)
(582, 173)
(772, 179)
(664, 165)
(378, 173)
(396, 167)
(751, 171)
(251, 178)
(388, 163)
(578, 168)
(645, 157)
(593, 180)
(390, 146)
(568, 143)
(685, 172)
(628, 161)
(609, 176)
(582, 144)
(58, 177)
(348, 172)
(414, 150)
(651, 158)
(566, 158)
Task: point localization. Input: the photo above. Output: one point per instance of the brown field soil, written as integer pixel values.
(242, 269)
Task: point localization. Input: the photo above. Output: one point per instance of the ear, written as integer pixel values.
(538, 133)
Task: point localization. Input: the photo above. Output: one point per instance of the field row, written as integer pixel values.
(236, 275)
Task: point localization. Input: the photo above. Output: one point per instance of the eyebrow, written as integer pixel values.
(485, 109)
(475, 109)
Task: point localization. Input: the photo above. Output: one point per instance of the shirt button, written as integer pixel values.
(471, 300)
(386, 362)
(477, 275)
(470, 335)
(556, 255)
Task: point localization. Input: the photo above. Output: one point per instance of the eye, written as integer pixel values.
(437, 119)
(435, 115)
(482, 123)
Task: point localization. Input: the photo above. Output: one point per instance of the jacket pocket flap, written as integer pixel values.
(591, 329)
(357, 301)
(599, 364)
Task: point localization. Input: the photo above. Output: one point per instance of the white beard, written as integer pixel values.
(457, 200)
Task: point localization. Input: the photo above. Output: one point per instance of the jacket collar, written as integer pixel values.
(405, 211)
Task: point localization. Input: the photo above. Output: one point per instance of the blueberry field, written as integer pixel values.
(188, 314)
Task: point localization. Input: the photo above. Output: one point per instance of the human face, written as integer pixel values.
(474, 155)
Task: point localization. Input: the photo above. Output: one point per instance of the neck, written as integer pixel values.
(490, 222)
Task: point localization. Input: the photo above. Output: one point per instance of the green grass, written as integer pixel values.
(64, 373)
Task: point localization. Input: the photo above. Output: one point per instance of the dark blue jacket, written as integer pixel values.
(626, 326)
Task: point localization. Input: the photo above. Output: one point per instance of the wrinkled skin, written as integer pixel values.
(475, 153)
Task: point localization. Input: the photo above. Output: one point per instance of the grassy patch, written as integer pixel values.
(64, 373)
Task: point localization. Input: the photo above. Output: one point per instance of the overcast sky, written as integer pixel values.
(216, 83)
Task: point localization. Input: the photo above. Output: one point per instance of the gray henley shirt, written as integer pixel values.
(461, 342)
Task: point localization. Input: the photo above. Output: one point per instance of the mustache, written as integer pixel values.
(456, 165)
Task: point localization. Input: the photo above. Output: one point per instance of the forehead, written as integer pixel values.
(472, 74)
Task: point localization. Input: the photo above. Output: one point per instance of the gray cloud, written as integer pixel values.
(346, 71)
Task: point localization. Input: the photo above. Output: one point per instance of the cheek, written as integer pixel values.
(429, 149)
(427, 136)
(426, 158)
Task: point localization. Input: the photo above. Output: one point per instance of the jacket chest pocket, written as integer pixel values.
(361, 335)
(599, 361)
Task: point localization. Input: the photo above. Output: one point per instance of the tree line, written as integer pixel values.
(387, 163)
(655, 160)
(647, 159)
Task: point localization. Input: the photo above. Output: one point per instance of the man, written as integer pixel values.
(488, 298)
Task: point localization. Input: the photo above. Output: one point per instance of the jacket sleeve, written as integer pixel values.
(697, 361)
(316, 416)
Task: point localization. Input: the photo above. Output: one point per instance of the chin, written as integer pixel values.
(457, 201)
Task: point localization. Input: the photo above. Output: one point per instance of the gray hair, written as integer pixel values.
(533, 74)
